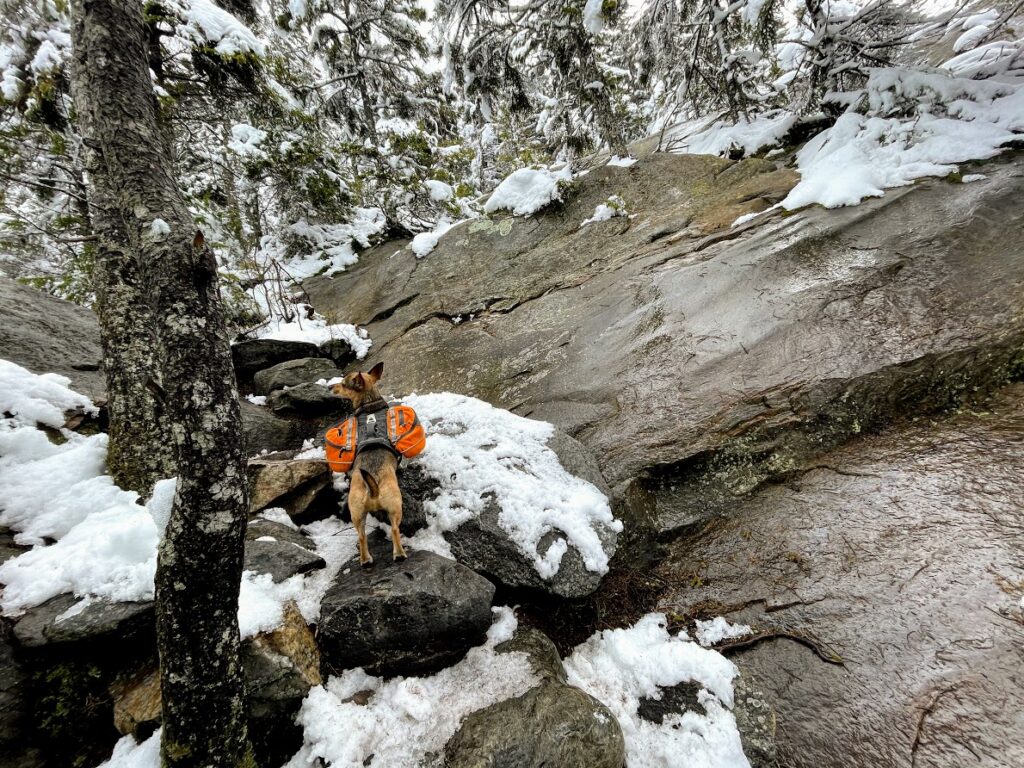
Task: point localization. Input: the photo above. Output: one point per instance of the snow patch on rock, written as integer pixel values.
(619, 667)
(476, 450)
(527, 190)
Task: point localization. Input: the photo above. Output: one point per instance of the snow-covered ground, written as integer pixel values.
(105, 545)
(408, 718)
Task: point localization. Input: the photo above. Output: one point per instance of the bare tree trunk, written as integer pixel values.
(200, 560)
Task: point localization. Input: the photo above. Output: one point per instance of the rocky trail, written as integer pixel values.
(812, 424)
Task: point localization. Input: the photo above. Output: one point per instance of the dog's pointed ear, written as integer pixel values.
(377, 371)
(359, 382)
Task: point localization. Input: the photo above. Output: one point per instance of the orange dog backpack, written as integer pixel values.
(396, 428)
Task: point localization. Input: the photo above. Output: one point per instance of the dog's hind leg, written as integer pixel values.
(357, 508)
(392, 502)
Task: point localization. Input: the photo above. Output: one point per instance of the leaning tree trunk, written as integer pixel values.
(200, 560)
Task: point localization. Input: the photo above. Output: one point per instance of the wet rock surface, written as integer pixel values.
(552, 724)
(696, 360)
(900, 555)
(43, 333)
(402, 617)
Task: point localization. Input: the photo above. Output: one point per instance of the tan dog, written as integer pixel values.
(374, 478)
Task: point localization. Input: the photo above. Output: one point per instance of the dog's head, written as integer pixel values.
(355, 386)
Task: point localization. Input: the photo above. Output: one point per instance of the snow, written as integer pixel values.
(161, 501)
(745, 218)
(110, 552)
(246, 140)
(159, 230)
(621, 162)
(218, 26)
(128, 753)
(317, 330)
(407, 718)
(261, 602)
(614, 206)
(718, 629)
(397, 125)
(278, 515)
(970, 38)
(105, 541)
(256, 399)
(48, 57)
(621, 666)
(863, 155)
(425, 242)
(527, 190)
(31, 398)
(439, 191)
(593, 21)
(475, 450)
(969, 178)
(332, 244)
(748, 135)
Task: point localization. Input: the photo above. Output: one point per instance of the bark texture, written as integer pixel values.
(200, 560)
(138, 455)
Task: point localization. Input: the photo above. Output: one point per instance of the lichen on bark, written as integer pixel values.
(164, 321)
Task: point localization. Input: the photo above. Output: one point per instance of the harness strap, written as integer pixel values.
(372, 432)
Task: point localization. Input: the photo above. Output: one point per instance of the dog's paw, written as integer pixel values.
(399, 556)
(367, 563)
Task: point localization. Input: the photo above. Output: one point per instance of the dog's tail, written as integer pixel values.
(371, 483)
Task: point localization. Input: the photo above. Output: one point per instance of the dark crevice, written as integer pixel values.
(384, 314)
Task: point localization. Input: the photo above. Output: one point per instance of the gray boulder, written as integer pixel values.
(16, 750)
(302, 487)
(260, 527)
(338, 350)
(100, 621)
(253, 355)
(552, 724)
(309, 400)
(262, 430)
(294, 372)
(279, 668)
(44, 333)
(402, 618)
(281, 559)
(484, 546)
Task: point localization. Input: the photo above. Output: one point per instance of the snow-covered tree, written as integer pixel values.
(542, 58)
